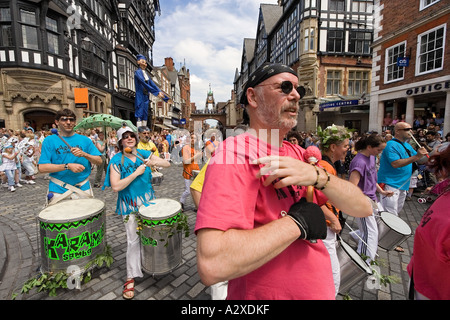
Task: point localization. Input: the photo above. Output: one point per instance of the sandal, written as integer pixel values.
(124, 295)
(399, 249)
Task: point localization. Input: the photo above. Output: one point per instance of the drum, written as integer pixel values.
(195, 173)
(392, 231)
(160, 239)
(353, 267)
(157, 178)
(71, 233)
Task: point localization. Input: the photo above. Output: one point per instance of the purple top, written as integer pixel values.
(366, 168)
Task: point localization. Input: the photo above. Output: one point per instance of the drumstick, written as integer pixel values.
(130, 151)
(412, 136)
(55, 131)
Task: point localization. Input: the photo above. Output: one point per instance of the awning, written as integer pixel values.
(161, 126)
(172, 127)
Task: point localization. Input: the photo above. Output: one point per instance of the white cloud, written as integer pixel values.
(207, 35)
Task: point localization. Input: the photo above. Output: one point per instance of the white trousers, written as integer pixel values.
(219, 291)
(368, 236)
(133, 257)
(395, 203)
(330, 244)
(187, 190)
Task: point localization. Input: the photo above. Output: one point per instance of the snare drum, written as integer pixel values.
(157, 178)
(195, 173)
(160, 240)
(392, 231)
(353, 267)
(72, 233)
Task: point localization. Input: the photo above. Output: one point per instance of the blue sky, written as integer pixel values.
(206, 35)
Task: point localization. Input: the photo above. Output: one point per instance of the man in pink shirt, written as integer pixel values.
(253, 226)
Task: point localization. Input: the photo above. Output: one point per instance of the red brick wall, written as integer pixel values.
(397, 15)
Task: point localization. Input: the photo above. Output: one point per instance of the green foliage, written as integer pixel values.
(51, 281)
(333, 134)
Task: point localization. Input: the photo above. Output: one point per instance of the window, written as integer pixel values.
(430, 50)
(29, 29)
(426, 3)
(292, 20)
(126, 73)
(292, 53)
(393, 71)
(333, 82)
(360, 42)
(335, 41)
(358, 82)
(6, 38)
(336, 5)
(52, 35)
(308, 41)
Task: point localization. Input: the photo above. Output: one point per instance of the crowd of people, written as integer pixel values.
(262, 231)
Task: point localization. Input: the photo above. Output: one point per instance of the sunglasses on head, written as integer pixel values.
(287, 87)
(65, 119)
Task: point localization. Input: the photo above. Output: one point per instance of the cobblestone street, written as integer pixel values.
(20, 257)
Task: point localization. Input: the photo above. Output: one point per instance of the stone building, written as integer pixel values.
(328, 43)
(50, 47)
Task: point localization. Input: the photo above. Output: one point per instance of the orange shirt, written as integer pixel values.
(330, 169)
(188, 152)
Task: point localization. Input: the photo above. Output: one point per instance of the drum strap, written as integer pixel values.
(70, 190)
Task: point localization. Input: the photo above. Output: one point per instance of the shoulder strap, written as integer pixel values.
(327, 159)
(407, 151)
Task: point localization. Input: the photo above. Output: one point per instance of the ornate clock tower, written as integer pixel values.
(210, 103)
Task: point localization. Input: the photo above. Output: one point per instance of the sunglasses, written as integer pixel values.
(406, 129)
(65, 119)
(128, 135)
(287, 87)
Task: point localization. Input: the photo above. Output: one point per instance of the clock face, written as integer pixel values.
(210, 98)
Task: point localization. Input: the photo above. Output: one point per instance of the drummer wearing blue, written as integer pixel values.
(130, 177)
(69, 167)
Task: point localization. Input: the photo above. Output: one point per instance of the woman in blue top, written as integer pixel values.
(131, 178)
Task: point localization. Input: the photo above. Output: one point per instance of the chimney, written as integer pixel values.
(168, 62)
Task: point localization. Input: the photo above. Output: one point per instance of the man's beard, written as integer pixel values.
(270, 116)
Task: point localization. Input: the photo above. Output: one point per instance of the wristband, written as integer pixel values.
(328, 180)
(318, 174)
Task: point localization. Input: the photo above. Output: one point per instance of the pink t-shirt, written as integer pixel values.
(430, 261)
(233, 198)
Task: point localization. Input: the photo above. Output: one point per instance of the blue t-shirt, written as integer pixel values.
(55, 151)
(395, 177)
(366, 168)
(139, 191)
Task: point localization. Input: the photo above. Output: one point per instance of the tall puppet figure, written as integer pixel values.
(144, 85)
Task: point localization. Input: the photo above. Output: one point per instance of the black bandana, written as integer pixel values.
(264, 72)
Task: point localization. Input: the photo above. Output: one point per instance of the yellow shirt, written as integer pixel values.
(148, 146)
(197, 184)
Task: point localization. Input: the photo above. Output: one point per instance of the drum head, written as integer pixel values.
(395, 223)
(355, 257)
(159, 209)
(71, 210)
